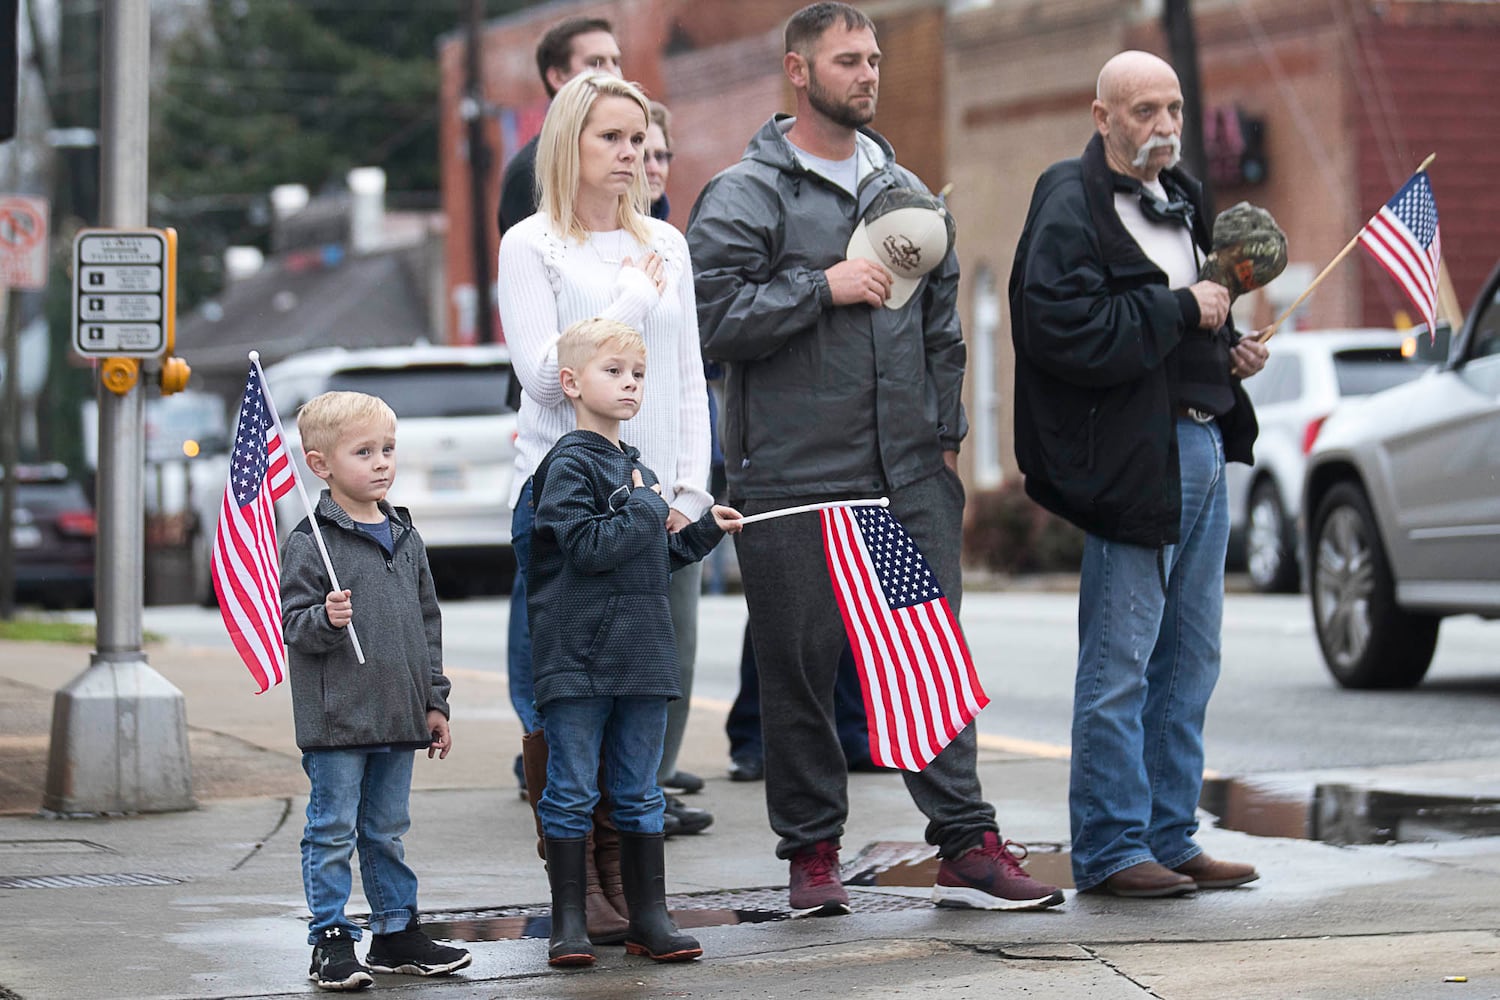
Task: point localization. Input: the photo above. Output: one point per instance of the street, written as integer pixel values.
(1276, 707)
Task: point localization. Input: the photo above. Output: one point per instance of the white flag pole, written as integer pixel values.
(265, 390)
(783, 512)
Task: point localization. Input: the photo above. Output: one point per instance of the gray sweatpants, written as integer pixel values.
(798, 635)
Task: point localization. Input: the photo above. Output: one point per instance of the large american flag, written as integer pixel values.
(246, 568)
(919, 682)
(1403, 236)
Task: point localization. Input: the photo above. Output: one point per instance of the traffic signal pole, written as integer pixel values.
(119, 729)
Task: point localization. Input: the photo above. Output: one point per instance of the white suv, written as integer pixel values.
(455, 445)
(1305, 377)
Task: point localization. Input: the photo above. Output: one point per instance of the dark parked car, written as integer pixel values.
(1403, 511)
(52, 536)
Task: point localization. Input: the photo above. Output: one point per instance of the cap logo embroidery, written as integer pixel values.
(902, 252)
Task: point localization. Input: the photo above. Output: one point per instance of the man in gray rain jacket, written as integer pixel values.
(836, 387)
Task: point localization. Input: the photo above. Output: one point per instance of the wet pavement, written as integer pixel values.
(208, 903)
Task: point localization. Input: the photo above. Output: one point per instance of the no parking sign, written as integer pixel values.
(23, 241)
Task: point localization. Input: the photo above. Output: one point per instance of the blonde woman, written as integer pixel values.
(592, 250)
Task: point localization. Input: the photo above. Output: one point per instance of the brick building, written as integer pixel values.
(1350, 95)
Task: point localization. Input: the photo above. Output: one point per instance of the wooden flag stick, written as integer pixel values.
(1270, 331)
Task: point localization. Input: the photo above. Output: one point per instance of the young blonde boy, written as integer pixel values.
(604, 658)
(359, 723)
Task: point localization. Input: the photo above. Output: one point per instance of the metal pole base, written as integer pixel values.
(119, 741)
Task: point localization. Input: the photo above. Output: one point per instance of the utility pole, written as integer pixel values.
(479, 171)
(119, 729)
(1182, 44)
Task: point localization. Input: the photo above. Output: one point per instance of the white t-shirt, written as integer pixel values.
(1168, 244)
(846, 173)
(547, 283)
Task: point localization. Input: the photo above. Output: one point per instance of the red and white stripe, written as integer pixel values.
(919, 682)
(1399, 251)
(247, 569)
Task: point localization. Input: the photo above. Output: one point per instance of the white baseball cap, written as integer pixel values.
(908, 231)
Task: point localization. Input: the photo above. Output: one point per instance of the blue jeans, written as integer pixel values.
(743, 724)
(358, 800)
(518, 636)
(629, 731)
(1148, 658)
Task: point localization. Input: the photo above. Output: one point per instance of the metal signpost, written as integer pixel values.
(119, 729)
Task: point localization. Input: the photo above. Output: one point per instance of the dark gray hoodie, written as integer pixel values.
(338, 702)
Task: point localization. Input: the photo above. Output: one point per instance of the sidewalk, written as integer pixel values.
(208, 903)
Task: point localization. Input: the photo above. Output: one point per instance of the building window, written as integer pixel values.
(984, 421)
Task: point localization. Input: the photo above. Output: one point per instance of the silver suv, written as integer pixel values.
(1403, 511)
(1305, 378)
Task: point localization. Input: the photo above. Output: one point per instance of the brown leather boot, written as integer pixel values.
(607, 860)
(606, 925)
(534, 764)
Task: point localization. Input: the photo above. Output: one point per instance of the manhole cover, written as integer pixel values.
(84, 881)
(708, 909)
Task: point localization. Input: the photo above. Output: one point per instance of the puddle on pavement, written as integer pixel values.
(539, 925)
(904, 863)
(1346, 814)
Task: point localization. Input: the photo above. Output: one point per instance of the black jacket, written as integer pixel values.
(1095, 330)
(597, 580)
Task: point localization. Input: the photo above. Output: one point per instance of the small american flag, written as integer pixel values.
(1403, 236)
(246, 568)
(919, 682)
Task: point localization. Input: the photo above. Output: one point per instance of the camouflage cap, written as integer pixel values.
(1249, 249)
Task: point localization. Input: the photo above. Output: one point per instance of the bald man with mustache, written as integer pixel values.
(1127, 405)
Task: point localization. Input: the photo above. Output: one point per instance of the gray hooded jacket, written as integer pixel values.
(338, 702)
(819, 400)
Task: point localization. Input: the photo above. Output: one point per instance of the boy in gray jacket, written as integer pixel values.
(359, 723)
(604, 658)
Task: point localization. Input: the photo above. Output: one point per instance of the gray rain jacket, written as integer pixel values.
(819, 400)
(336, 700)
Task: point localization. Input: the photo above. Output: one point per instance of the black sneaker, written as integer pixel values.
(685, 782)
(413, 953)
(334, 966)
(689, 819)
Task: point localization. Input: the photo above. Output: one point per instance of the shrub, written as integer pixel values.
(1005, 531)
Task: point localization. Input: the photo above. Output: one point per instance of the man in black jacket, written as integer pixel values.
(1128, 403)
(570, 47)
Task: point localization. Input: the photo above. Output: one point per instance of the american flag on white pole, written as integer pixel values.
(919, 682)
(246, 567)
(1403, 237)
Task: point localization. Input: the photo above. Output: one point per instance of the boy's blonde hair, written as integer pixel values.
(586, 338)
(323, 418)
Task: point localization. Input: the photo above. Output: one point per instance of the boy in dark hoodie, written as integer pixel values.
(604, 658)
(359, 723)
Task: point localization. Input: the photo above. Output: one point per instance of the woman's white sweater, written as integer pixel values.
(547, 283)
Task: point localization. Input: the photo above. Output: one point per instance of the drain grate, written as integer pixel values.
(85, 881)
(707, 909)
(769, 901)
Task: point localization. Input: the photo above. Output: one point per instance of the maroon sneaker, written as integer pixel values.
(816, 889)
(990, 877)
